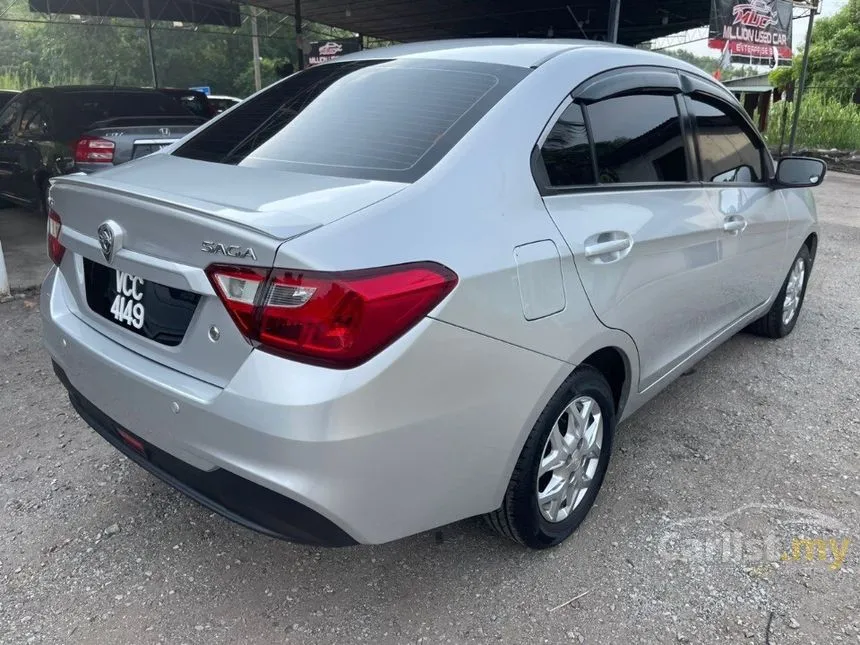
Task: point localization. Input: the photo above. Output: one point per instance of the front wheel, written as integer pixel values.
(782, 316)
(561, 465)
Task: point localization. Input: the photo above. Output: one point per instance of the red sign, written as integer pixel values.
(751, 28)
(326, 50)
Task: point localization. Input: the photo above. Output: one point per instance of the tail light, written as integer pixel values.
(55, 249)
(89, 149)
(337, 320)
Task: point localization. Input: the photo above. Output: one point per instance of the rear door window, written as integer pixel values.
(36, 120)
(9, 117)
(373, 119)
(638, 139)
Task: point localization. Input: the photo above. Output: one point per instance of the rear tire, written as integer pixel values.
(581, 418)
(783, 314)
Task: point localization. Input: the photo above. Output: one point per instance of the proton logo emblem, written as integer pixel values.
(110, 239)
(164, 132)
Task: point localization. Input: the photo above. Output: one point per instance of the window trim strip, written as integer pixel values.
(688, 85)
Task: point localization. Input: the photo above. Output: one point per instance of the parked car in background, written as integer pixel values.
(6, 96)
(194, 101)
(53, 131)
(220, 102)
(338, 315)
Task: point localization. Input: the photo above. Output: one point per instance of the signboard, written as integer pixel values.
(745, 29)
(202, 88)
(325, 50)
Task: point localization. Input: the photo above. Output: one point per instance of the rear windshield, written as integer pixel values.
(89, 107)
(197, 104)
(221, 104)
(374, 119)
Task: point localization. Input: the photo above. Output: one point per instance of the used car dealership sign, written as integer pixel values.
(751, 28)
(326, 50)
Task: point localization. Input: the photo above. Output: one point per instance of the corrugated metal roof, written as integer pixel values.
(757, 83)
(412, 20)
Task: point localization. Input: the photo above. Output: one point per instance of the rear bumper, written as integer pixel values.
(237, 499)
(424, 434)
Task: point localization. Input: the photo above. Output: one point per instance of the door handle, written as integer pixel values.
(734, 224)
(605, 248)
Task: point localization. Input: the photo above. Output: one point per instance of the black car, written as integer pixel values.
(53, 131)
(6, 96)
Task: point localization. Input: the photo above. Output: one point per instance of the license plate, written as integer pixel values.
(147, 149)
(128, 308)
(144, 307)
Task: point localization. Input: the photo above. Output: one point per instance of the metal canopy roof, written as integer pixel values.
(410, 20)
(205, 12)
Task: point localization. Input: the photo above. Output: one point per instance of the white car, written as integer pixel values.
(220, 102)
(422, 283)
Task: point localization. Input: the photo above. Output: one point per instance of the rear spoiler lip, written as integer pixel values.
(83, 181)
(137, 121)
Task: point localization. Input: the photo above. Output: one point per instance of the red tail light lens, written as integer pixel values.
(90, 149)
(55, 249)
(338, 320)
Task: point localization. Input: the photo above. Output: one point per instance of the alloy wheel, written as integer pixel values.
(569, 459)
(793, 291)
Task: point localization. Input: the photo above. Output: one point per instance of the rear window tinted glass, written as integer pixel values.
(86, 108)
(194, 103)
(367, 119)
(638, 139)
(5, 97)
(566, 152)
(221, 104)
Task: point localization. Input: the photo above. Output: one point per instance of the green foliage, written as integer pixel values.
(26, 79)
(824, 122)
(834, 55)
(781, 77)
(35, 54)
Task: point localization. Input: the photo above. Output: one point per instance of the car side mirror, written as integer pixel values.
(799, 172)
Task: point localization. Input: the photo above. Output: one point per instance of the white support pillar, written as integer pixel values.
(255, 49)
(4, 276)
(614, 20)
(147, 22)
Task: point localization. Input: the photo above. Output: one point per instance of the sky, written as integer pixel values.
(700, 48)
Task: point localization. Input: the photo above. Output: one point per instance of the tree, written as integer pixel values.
(34, 54)
(834, 56)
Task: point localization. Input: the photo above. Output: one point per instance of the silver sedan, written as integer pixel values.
(422, 283)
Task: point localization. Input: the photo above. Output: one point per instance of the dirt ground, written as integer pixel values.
(699, 535)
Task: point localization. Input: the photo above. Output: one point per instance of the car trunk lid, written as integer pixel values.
(135, 137)
(165, 232)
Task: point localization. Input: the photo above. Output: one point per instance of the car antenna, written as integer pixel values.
(115, 75)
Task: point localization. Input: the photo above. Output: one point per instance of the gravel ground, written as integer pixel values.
(708, 486)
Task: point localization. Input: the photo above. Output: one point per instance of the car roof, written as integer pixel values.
(181, 90)
(91, 88)
(517, 52)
